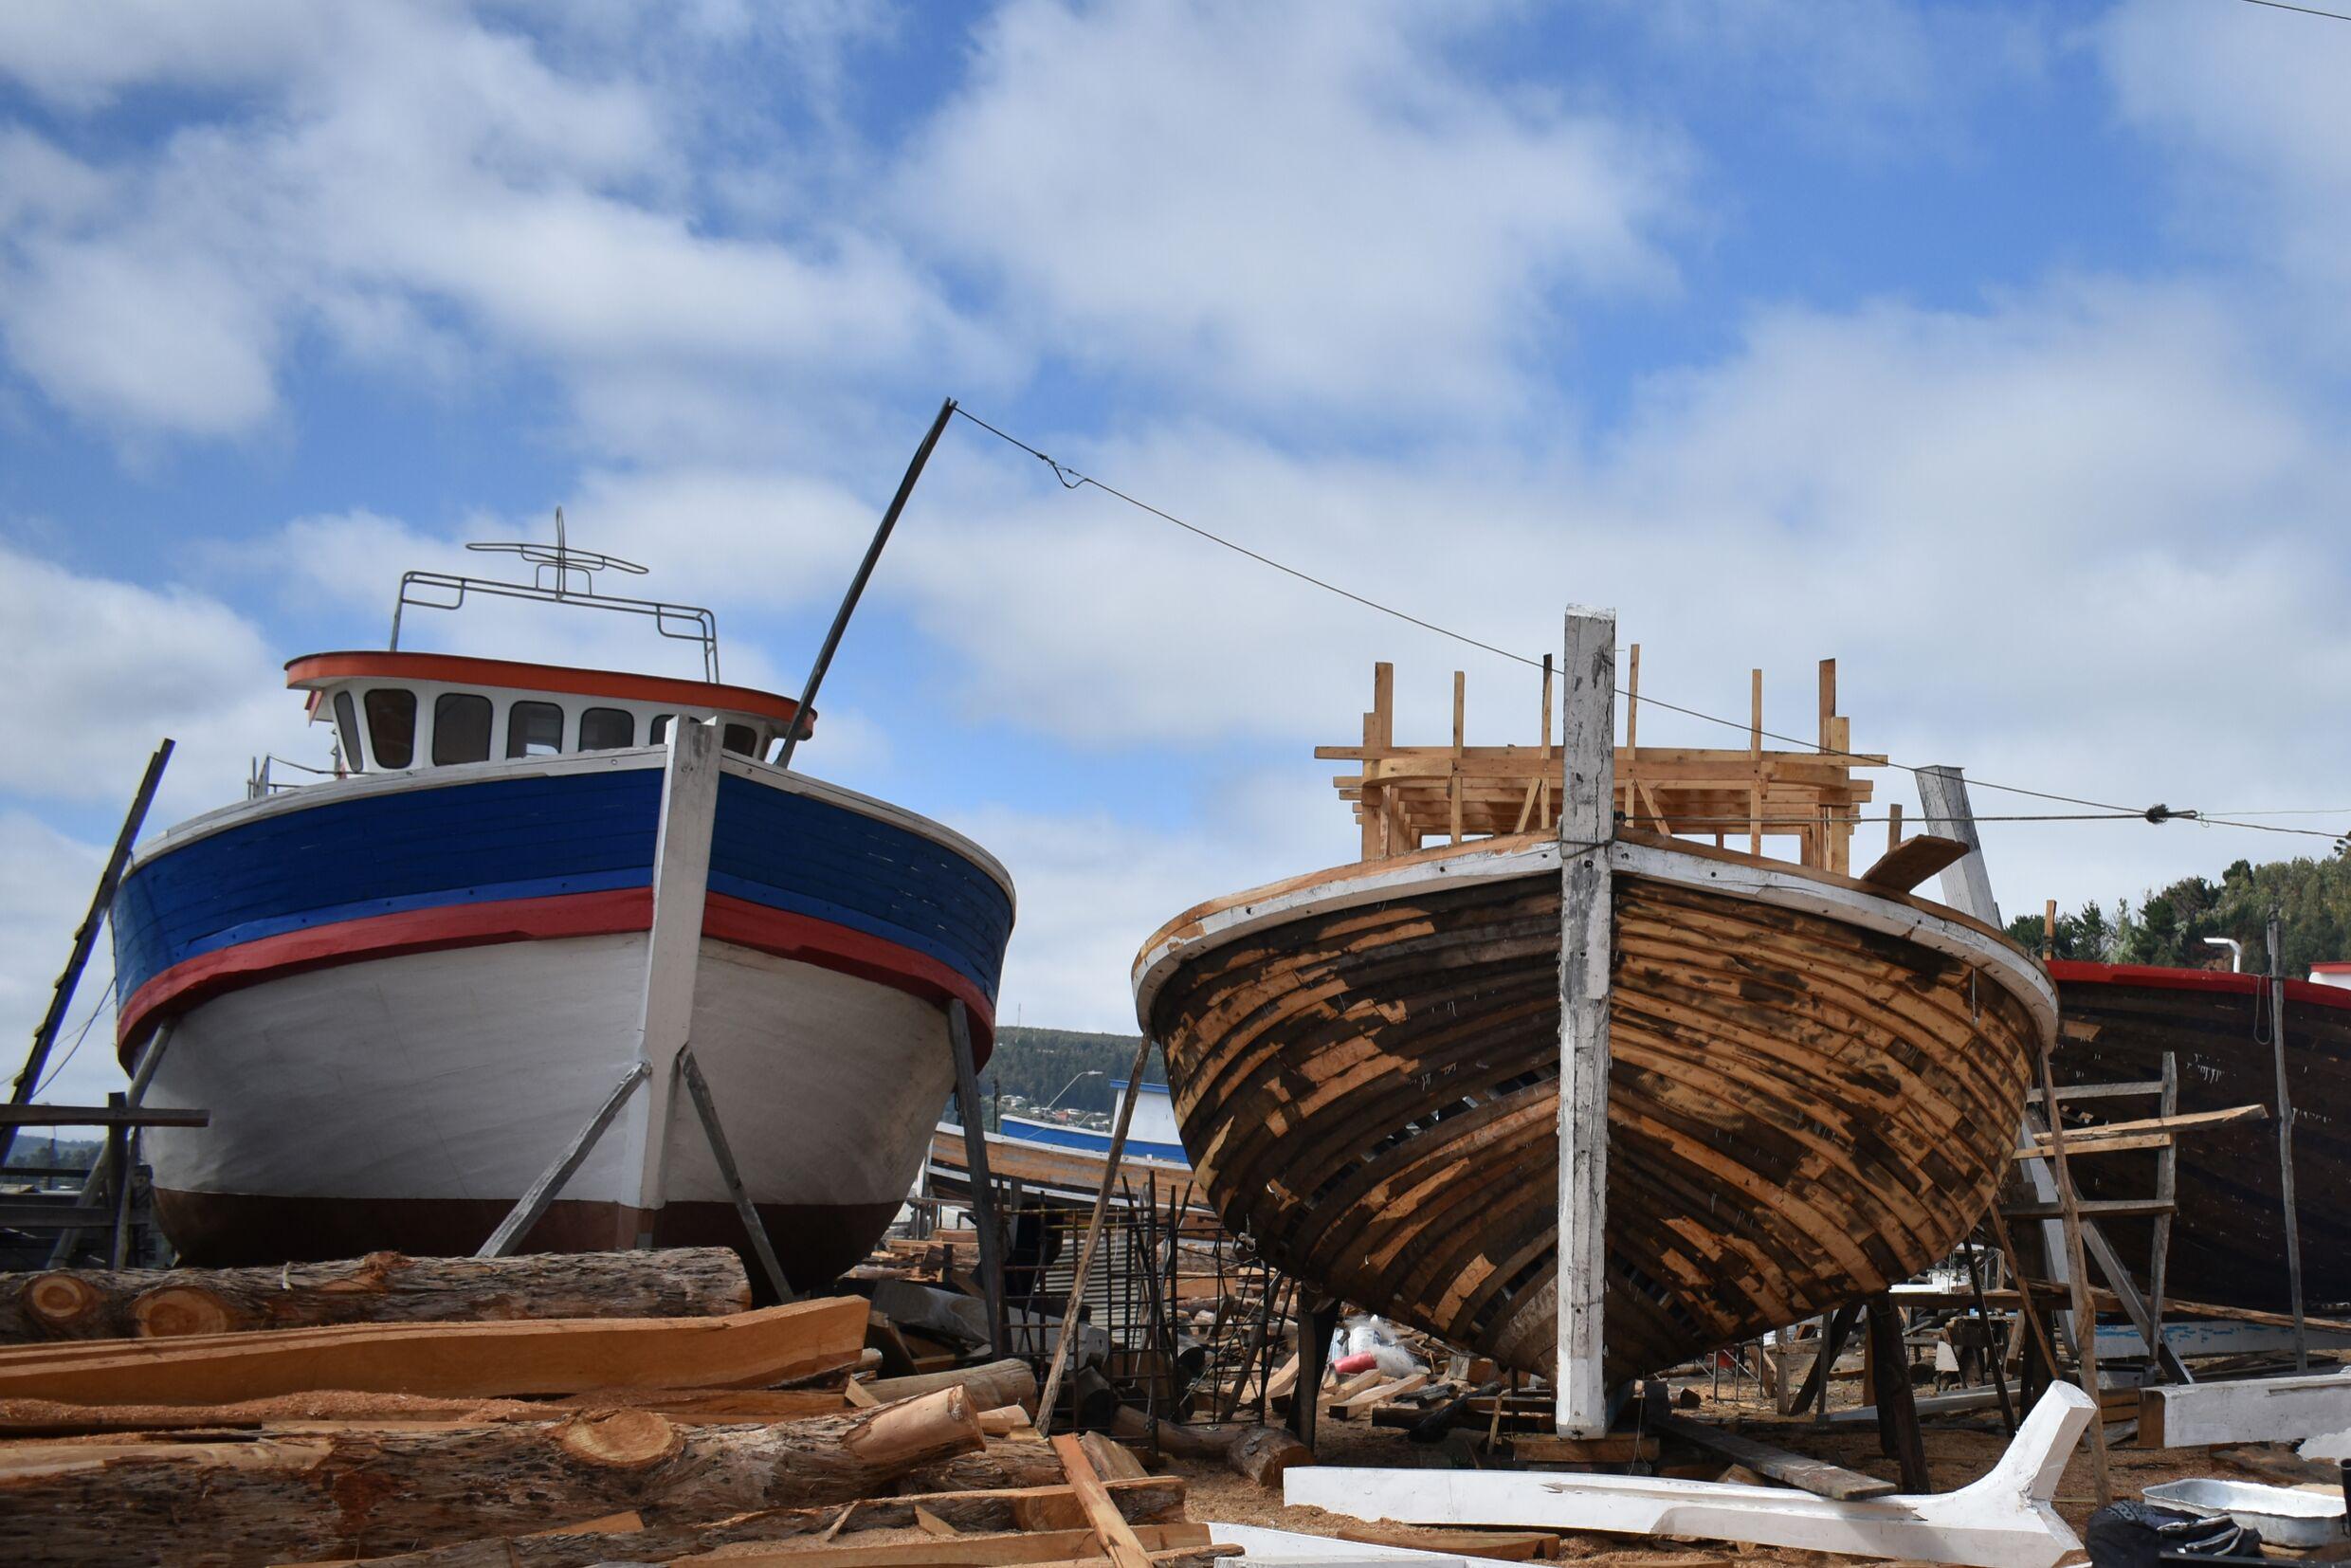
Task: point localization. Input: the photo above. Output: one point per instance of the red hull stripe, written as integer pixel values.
(724, 918)
(2074, 972)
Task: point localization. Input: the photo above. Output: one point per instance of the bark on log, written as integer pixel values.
(992, 1384)
(1007, 1464)
(359, 1492)
(87, 1304)
(1262, 1453)
(1156, 1500)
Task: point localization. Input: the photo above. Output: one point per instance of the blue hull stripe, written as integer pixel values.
(580, 832)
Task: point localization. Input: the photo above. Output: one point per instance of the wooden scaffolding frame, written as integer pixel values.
(1406, 795)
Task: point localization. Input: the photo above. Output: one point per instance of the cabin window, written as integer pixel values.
(742, 740)
(391, 727)
(604, 729)
(460, 728)
(533, 729)
(660, 731)
(346, 724)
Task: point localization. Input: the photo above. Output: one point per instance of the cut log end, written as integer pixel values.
(172, 1310)
(622, 1439)
(1262, 1453)
(60, 1300)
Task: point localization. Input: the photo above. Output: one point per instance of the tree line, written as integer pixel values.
(2312, 899)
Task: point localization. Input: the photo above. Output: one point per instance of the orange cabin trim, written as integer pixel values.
(314, 670)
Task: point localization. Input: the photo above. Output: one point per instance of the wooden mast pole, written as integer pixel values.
(1587, 823)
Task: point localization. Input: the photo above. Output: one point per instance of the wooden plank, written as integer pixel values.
(1587, 904)
(1807, 1474)
(2187, 1122)
(1614, 1447)
(2085, 1318)
(487, 1360)
(1913, 861)
(2004, 1519)
(1493, 1545)
(1111, 1530)
(1381, 1392)
(689, 806)
(101, 1116)
(2270, 1410)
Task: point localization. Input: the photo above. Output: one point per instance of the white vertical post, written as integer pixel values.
(689, 806)
(1944, 807)
(1587, 822)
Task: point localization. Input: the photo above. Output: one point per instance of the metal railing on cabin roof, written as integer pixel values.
(553, 569)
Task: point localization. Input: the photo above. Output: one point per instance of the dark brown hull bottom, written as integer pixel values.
(1800, 1111)
(2228, 1240)
(815, 1243)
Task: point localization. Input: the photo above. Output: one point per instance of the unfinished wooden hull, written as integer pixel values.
(2228, 1241)
(1814, 1089)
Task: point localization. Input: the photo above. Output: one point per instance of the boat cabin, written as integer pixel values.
(393, 711)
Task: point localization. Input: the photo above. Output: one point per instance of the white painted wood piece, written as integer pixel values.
(2005, 1519)
(1587, 906)
(1265, 1549)
(2198, 1337)
(1966, 884)
(2252, 1409)
(689, 809)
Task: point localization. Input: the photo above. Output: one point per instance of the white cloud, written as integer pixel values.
(93, 671)
(2250, 103)
(1279, 203)
(41, 899)
(386, 171)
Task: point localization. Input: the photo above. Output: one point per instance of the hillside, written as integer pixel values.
(1038, 1064)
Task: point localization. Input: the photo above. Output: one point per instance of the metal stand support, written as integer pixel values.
(698, 1089)
(534, 1199)
(1093, 1235)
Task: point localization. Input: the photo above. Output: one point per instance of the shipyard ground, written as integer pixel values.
(1957, 1453)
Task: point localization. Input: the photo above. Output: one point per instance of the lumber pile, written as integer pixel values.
(325, 1431)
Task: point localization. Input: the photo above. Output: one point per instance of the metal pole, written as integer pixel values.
(857, 588)
(85, 936)
(2285, 1150)
(698, 1089)
(983, 1196)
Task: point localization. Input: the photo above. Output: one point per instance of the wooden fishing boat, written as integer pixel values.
(2228, 1234)
(403, 989)
(1815, 1085)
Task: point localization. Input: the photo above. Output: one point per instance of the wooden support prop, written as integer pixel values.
(99, 1178)
(1110, 1527)
(1994, 1355)
(2285, 1151)
(534, 1199)
(1318, 1319)
(338, 1492)
(1817, 1476)
(1898, 1417)
(1813, 1390)
(689, 806)
(383, 1287)
(1588, 725)
(698, 1090)
(983, 1191)
(483, 1359)
(85, 936)
(1093, 1236)
(2005, 1519)
(2085, 1317)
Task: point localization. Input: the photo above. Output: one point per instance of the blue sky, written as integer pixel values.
(1996, 350)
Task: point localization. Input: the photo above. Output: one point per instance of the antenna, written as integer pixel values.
(560, 575)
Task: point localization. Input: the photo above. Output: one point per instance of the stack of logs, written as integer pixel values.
(541, 1410)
